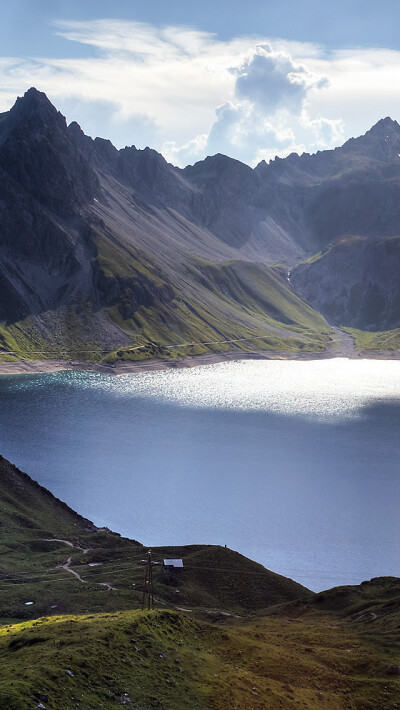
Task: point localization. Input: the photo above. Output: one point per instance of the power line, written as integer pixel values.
(148, 584)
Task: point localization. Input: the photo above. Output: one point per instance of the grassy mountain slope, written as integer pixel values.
(39, 533)
(234, 636)
(299, 657)
(248, 306)
(387, 340)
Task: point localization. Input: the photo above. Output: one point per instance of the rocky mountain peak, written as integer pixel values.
(223, 171)
(38, 153)
(35, 108)
(381, 142)
(385, 125)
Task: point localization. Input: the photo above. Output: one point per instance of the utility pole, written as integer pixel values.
(148, 584)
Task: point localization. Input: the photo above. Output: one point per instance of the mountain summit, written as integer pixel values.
(381, 142)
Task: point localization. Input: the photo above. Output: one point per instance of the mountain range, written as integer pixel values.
(117, 254)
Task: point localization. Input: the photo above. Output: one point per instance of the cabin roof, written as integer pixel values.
(173, 563)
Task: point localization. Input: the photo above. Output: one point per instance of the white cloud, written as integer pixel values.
(188, 93)
(272, 80)
(270, 95)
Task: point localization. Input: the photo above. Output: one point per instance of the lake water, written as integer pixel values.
(294, 464)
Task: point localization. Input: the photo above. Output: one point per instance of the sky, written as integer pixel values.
(190, 78)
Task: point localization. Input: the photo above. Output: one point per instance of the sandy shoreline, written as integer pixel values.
(25, 367)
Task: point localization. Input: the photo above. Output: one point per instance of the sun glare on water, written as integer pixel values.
(319, 389)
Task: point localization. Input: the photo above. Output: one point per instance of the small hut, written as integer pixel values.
(172, 565)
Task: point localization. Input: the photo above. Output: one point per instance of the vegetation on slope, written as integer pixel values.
(386, 340)
(39, 534)
(234, 306)
(298, 657)
(226, 634)
(138, 311)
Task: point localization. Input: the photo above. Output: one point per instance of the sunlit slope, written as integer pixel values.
(191, 304)
(103, 249)
(298, 657)
(386, 340)
(202, 306)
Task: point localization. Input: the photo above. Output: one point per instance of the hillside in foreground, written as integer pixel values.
(226, 633)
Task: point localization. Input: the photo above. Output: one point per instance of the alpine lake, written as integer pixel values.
(295, 464)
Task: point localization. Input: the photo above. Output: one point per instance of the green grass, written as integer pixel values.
(32, 523)
(300, 657)
(386, 340)
(251, 307)
(249, 639)
(196, 309)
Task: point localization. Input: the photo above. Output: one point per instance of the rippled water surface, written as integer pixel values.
(295, 464)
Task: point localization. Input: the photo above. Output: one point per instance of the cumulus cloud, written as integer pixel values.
(189, 94)
(238, 131)
(270, 95)
(272, 80)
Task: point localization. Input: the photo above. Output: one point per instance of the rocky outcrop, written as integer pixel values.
(129, 293)
(36, 152)
(354, 283)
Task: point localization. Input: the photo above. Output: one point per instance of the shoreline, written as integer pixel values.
(31, 367)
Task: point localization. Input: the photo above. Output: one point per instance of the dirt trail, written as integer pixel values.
(68, 568)
(345, 343)
(67, 564)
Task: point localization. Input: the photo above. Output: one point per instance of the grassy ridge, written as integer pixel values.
(388, 340)
(300, 657)
(35, 528)
(252, 307)
(227, 633)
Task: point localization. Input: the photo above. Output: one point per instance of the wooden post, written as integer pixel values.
(148, 584)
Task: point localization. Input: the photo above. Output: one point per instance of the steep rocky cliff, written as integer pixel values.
(354, 282)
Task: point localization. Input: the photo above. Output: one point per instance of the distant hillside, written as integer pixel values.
(38, 533)
(354, 282)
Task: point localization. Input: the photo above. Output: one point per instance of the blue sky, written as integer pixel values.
(252, 80)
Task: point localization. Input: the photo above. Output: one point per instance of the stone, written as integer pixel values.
(393, 670)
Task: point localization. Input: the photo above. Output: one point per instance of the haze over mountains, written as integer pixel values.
(104, 248)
